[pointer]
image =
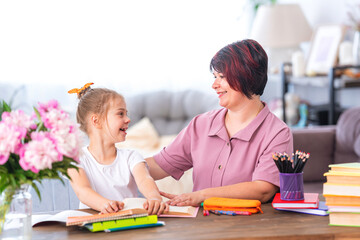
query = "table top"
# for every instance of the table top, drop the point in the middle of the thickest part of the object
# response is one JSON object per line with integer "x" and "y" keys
{"x": 272, "y": 224}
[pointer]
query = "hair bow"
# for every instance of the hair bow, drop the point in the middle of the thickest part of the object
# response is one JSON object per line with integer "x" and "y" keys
{"x": 79, "y": 90}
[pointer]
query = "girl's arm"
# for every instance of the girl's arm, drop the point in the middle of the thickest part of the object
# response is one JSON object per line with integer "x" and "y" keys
{"x": 88, "y": 196}
{"x": 148, "y": 188}
{"x": 155, "y": 170}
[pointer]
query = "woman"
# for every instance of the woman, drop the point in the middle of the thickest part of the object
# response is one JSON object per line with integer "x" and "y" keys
{"x": 230, "y": 150}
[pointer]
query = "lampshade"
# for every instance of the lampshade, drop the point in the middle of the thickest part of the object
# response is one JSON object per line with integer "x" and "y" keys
{"x": 280, "y": 25}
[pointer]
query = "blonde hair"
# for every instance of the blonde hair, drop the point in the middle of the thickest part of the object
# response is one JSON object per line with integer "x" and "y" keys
{"x": 94, "y": 100}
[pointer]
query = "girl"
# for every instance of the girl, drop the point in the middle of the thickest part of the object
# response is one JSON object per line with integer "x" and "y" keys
{"x": 106, "y": 174}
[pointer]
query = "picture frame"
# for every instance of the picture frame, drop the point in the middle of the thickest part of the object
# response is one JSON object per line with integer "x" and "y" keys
{"x": 324, "y": 49}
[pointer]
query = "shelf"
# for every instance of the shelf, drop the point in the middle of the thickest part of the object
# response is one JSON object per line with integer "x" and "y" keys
{"x": 333, "y": 81}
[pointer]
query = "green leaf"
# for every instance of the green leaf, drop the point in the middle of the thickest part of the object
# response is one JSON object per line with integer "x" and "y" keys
{"x": 6, "y": 107}
{"x": 36, "y": 190}
{"x": 37, "y": 113}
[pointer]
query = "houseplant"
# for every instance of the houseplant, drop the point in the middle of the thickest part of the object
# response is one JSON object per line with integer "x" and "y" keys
{"x": 34, "y": 147}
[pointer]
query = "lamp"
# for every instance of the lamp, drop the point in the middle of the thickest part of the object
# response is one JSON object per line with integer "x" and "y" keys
{"x": 280, "y": 29}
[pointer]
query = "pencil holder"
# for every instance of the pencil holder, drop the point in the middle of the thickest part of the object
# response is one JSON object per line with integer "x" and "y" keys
{"x": 291, "y": 186}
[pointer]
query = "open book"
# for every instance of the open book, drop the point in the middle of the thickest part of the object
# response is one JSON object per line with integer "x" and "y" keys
{"x": 133, "y": 207}
{"x": 37, "y": 219}
{"x": 174, "y": 211}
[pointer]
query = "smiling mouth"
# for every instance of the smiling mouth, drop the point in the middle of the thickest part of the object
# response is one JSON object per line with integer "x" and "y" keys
{"x": 221, "y": 93}
{"x": 123, "y": 129}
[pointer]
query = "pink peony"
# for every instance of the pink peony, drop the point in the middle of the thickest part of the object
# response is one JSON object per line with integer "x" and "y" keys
{"x": 40, "y": 153}
{"x": 18, "y": 118}
{"x": 52, "y": 104}
{"x": 67, "y": 142}
{"x": 56, "y": 119}
{"x": 10, "y": 140}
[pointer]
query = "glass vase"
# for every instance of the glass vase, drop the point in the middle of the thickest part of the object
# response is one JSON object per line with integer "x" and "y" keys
{"x": 356, "y": 48}
{"x": 15, "y": 213}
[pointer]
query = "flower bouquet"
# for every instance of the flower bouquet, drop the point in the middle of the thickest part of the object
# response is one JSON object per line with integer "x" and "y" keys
{"x": 34, "y": 147}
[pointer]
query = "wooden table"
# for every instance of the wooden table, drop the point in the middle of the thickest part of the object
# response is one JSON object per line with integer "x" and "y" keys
{"x": 272, "y": 224}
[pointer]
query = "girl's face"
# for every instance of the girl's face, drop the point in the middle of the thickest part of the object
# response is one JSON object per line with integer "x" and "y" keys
{"x": 117, "y": 121}
{"x": 228, "y": 97}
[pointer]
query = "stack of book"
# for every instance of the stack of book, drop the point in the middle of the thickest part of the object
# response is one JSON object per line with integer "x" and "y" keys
{"x": 310, "y": 205}
{"x": 122, "y": 220}
{"x": 133, "y": 215}
{"x": 342, "y": 194}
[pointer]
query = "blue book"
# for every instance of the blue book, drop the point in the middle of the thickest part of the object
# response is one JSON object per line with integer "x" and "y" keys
{"x": 321, "y": 210}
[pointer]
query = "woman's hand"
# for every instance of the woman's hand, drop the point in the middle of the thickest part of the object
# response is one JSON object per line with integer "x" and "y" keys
{"x": 156, "y": 206}
{"x": 185, "y": 199}
{"x": 112, "y": 206}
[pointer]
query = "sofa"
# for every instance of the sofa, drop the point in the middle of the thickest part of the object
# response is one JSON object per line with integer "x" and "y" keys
{"x": 327, "y": 145}
{"x": 157, "y": 117}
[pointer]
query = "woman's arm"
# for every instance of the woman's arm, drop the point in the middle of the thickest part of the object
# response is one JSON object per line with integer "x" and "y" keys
{"x": 155, "y": 170}
{"x": 88, "y": 196}
{"x": 148, "y": 188}
{"x": 260, "y": 190}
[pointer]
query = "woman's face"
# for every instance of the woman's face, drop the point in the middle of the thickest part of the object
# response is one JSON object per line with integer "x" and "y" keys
{"x": 228, "y": 97}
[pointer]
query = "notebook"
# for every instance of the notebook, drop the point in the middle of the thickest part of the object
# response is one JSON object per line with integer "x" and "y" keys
{"x": 123, "y": 224}
{"x": 311, "y": 200}
{"x": 322, "y": 210}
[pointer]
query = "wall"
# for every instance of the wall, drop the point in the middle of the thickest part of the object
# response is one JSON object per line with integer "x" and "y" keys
{"x": 320, "y": 12}
{"x": 48, "y": 47}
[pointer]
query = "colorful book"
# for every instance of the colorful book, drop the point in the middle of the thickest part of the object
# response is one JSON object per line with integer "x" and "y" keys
{"x": 346, "y": 219}
{"x": 346, "y": 167}
{"x": 123, "y": 224}
{"x": 344, "y": 208}
{"x": 341, "y": 189}
{"x": 133, "y": 207}
{"x": 338, "y": 200}
{"x": 311, "y": 200}
{"x": 82, "y": 220}
{"x": 343, "y": 177}
{"x": 159, "y": 223}
{"x": 322, "y": 210}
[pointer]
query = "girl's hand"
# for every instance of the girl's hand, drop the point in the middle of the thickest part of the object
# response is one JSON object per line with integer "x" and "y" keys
{"x": 156, "y": 206}
{"x": 185, "y": 199}
{"x": 112, "y": 206}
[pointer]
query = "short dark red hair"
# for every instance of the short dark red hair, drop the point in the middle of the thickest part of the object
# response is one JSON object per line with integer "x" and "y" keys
{"x": 244, "y": 64}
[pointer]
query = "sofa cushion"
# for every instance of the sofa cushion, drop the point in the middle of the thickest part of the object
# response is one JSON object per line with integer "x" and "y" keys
{"x": 141, "y": 135}
{"x": 319, "y": 142}
{"x": 348, "y": 136}
{"x": 169, "y": 111}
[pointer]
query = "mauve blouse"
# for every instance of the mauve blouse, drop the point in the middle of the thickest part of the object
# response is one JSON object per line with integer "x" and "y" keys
{"x": 218, "y": 160}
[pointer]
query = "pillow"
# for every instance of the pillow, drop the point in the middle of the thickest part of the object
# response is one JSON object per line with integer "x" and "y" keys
{"x": 142, "y": 135}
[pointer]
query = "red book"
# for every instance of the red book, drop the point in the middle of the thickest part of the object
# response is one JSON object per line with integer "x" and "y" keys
{"x": 311, "y": 200}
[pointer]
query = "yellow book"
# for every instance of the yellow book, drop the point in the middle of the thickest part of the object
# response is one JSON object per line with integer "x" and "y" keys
{"x": 338, "y": 200}
{"x": 343, "y": 177}
{"x": 346, "y": 167}
{"x": 347, "y": 219}
{"x": 341, "y": 189}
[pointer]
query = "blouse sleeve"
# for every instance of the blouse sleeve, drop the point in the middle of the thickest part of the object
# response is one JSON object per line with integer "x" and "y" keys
{"x": 176, "y": 158}
{"x": 266, "y": 169}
